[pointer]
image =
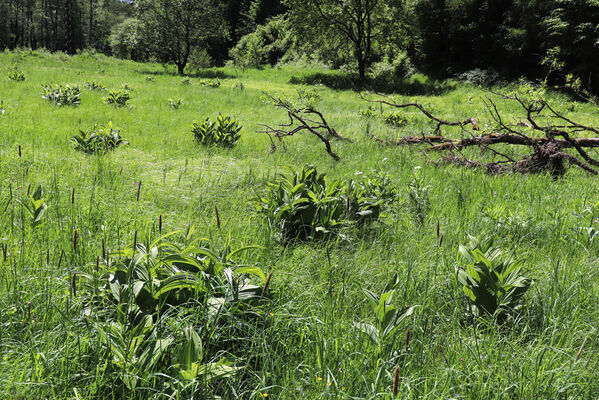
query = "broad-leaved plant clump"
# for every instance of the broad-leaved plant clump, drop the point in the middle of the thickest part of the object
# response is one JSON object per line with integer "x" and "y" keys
{"x": 211, "y": 83}
{"x": 493, "y": 281}
{"x": 138, "y": 297}
{"x": 16, "y": 74}
{"x": 62, "y": 95}
{"x": 98, "y": 139}
{"x": 224, "y": 131}
{"x": 303, "y": 205}
{"x": 94, "y": 85}
{"x": 175, "y": 103}
{"x": 118, "y": 98}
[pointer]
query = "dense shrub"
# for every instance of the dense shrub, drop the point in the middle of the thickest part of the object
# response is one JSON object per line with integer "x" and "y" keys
{"x": 303, "y": 205}
{"x": 62, "y": 95}
{"x": 224, "y": 131}
{"x": 98, "y": 139}
{"x": 16, "y": 75}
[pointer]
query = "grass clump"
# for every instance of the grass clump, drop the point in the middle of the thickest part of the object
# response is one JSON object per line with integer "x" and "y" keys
{"x": 118, "y": 97}
{"x": 303, "y": 205}
{"x": 98, "y": 139}
{"x": 224, "y": 131}
{"x": 62, "y": 95}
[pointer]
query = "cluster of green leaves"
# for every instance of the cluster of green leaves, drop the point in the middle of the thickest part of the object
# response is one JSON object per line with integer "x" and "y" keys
{"x": 94, "y": 85}
{"x": 35, "y": 205}
{"x": 493, "y": 282}
{"x": 224, "y": 131}
{"x": 175, "y": 103}
{"x": 16, "y": 74}
{"x": 212, "y": 83}
{"x": 2, "y": 107}
{"x": 395, "y": 119}
{"x": 303, "y": 205}
{"x": 98, "y": 139}
{"x": 418, "y": 197}
{"x": 185, "y": 81}
{"x": 62, "y": 95}
{"x": 369, "y": 112}
{"x": 117, "y": 97}
{"x": 141, "y": 296}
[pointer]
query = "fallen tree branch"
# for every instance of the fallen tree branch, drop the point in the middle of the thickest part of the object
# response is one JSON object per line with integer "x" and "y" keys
{"x": 548, "y": 142}
{"x": 303, "y": 118}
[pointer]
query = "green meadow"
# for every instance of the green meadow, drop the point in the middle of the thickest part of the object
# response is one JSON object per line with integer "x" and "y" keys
{"x": 315, "y": 327}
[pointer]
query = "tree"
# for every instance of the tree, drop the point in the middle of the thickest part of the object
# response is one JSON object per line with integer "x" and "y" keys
{"x": 174, "y": 28}
{"x": 350, "y": 25}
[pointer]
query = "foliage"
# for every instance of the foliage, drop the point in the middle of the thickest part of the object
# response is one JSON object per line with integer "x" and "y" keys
{"x": 36, "y": 206}
{"x": 211, "y": 83}
{"x": 16, "y": 74}
{"x": 267, "y": 45}
{"x": 396, "y": 119}
{"x": 2, "y": 107}
{"x": 418, "y": 197}
{"x": 94, "y": 85}
{"x": 126, "y": 40}
{"x": 175, "y": 103}
{"x": 303, "y": 205}
{"x": 224, "y": 131}
{"x": 185, "y": 81}
{"x": 98, "y": 139}
{"x": 138, "y": 296}
{"x": 388, "y": 317}
{"x": 117, "y": 97}
{"x": 493, "y": 283}
{"x": 173, "y": 29}
{"x": 62, "y": 95}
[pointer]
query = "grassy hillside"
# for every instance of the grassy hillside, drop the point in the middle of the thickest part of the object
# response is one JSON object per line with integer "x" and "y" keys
{"x": 59, "y": 336}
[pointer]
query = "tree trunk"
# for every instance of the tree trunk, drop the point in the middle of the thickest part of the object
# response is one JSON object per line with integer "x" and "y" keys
{"x": 362, "y": 68}
{"x": 180, "y": 68}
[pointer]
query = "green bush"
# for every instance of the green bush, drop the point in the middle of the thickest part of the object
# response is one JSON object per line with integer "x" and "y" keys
{"x": 98, "y": 139}
{"x": 493, "y": 282}
{"x": 396, "y": 119}
{"x": 224, "y": 131}
{"x": 175, "y": 103}
{"x": 62, "y": 95}
{"x": 305, "y": 206}
{"x": 212, "y": 83}
{"x": 118, "y": 97}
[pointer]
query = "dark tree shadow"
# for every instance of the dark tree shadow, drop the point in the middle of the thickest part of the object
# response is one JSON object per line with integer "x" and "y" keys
{"x": 419, "y": 85}
{"x": 208, "y": 73}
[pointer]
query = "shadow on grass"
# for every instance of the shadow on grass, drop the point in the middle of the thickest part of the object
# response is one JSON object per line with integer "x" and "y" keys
{"x": 417, "y": 84}
{"x": 208, "y": 73}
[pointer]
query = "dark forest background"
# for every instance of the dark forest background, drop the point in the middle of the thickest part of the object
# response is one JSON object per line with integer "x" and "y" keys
{"x": 442, "y": 38}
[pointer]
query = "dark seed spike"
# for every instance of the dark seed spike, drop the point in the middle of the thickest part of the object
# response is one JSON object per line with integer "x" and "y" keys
{"x": 160, "y": 223}
{"x": 135, "y": 241}
{"x": 48, "y": 257}
{"x": 396, "y": 378}
{"x": 74, "y": 284}
{"x": 73, "y": 196}
{"x": 408, "y": 337}
{"x": 437, "y": 229}
{"x": 103, "y": 249}
{"x": 20, "y": 154}
{"x": 60, "y": 259}
{"x": 75, "y": 239}
{"x": 266, "y": 284}
{"x": 441, "y": 241}
{"x": 138, "y": 190}
{"x": 97, "y": 263}
{"x": 217, "y": 217}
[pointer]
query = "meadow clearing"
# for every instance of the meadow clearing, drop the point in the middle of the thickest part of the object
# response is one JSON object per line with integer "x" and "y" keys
{"x": 376, "y": 311}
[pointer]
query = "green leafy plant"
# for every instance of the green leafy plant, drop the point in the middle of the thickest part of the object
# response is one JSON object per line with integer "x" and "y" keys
{"x": 126, "y": 86}
{"x": 94, "y": 85}
{"x": 16, "y": 74}
{"x": 150, "y": 78}
{"x": 303, "y": 205}
{"x": 185, "y": 81}
{"x": 492, "y": 281}
{"x": 35, "y": 205}
{"x": 388, "y": 317}
{"x": 396, "y": 119}
{"x": 369, "y": 112}
{"x": 211, "y": 83}
{"x": 418, "y": 198}
{"x": 98, "y": 139}
{"x": 224, "y": 131}
{"x": 118, "y": 97}
{"x": 62, "y": 95}
{"x": 2, "y": 107}
{"x": 175, "y": 103}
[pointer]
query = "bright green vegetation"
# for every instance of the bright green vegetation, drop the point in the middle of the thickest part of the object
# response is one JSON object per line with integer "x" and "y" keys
{"x": 96, "y": 299}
